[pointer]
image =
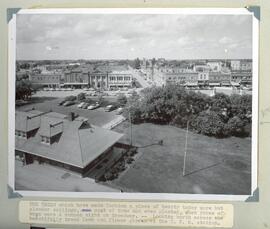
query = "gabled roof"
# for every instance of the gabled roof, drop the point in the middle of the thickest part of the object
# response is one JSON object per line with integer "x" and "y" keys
{"x": 27, "y": 121}
{"x": 79, "y": 143}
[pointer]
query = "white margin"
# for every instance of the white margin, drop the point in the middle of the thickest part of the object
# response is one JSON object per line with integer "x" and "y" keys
{"x": 132, "y": 196}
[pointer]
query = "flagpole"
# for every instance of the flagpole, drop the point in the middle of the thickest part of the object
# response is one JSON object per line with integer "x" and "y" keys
{"x": 185, "y": 155}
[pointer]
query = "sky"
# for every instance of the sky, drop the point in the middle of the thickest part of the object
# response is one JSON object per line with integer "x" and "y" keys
{"x": 108, "y": 36}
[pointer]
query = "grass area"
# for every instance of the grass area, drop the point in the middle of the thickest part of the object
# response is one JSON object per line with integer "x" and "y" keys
{"x": 213, "y": 166}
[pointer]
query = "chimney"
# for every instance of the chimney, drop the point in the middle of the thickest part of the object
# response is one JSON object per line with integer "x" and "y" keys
{"x": 71, "y": 116}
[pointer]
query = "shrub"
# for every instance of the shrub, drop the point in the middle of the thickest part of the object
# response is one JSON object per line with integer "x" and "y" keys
{"x": 236, "y": 127}
{"x": 209, "y": 123}
{"x": 122, "y": 100}
{"x": 70, "y": 98}
{"x": 88, "y": 100}
{"x": 81, "y": 96}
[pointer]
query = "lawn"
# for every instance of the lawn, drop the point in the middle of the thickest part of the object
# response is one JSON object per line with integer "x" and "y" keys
{"x": 213, "y": 166}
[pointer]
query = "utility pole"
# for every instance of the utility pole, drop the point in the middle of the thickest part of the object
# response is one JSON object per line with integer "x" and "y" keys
{"x": 185, "y": 155}
{"x": 130, "y": 123}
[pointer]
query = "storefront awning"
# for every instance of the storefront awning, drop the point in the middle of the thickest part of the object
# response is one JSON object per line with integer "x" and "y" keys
{"x": 225, "y": 84}
{"x": 235, "y": 84}
{"x": 214, "y": 84}
{"x": 191, "y": 84}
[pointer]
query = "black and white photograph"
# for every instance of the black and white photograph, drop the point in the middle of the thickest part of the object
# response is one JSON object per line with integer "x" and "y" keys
{"x": 134, "y": 103}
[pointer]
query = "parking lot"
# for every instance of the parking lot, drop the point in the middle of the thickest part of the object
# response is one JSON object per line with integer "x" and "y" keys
{"x": 97, "y": 117}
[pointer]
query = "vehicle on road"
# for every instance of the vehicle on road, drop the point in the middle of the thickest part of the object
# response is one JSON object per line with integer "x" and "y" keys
{"x": 110, "y": 107}
{"x": 81, "y": 104}
{"x": 119, "y": 110}
{"x": 68, "y": 103}
{"x": 93, "y": 106}
{"x": 61, "y": 103}
{"x": 85, "y": 106}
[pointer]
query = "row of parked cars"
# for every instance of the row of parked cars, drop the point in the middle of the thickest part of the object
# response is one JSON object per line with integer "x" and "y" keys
{"x": 85, "y": 105}
{"x": 57, "y": 89}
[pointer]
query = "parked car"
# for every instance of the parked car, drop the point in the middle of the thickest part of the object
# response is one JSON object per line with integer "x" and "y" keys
{"x": 68, "y": 103}
{"x": 110, "y": 108}
{"x": 119, "y": 110}
{"x": 85, "y": 106}
{"x": 93, "y": 106}
{"x": 81, "y": 104}
{"x": 61, "y": 103}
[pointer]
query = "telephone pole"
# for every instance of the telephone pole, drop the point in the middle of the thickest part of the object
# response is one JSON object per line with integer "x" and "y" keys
{"x": 185, "y": 155}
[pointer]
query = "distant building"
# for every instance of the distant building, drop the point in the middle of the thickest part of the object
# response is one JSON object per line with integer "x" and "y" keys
{"x": 100, "y": 78}
{"x": 246, "y": 65}
{"x": 215, "y": 66}
{"x": 65, "y": 141}
{"x": 241, "y": 65}
{"x": 46, "y": 79}
{"x": 219, "y": 79}
{"x": 120, "y": 79}
{"x": 203, "y": 78}
{"x": 77, "y": 78}
{"x": 242, "y": 77}
{"x": 201, "y": 68}
{"x": 183, "y": 78}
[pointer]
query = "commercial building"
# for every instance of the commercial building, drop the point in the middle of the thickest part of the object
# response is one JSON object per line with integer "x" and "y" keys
{"x": 215, "y": 66}
{"x": 241, "y": 65}
{"x": 76, "y": 78}
{"x": 219, "y": 79}
{"x": 66, "y": 141}
{"x": 98, "y": 78}
{"x": 203, "y": 78}
{"x": 242, "y": 77}
{"x": 46, "y": 79}
{"x": 188, "y": 78}
{"x": 119, "y": 79}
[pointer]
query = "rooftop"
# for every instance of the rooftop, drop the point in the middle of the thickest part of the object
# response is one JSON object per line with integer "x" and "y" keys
{"x": 79, "y": 142}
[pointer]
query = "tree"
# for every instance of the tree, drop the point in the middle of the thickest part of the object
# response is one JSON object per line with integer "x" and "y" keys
{"x": 70, "y": 98}
{"x": 137, "y": 64}
{"x": 24, "y": 89}
{"x": 81, "y": 96}
{"x": 236, "y": 127}
{"x": 121, "y": 100}
{"x": 101, "y": 99}
{"x": 209, "y": 123}
{"x": 241, "y": 106}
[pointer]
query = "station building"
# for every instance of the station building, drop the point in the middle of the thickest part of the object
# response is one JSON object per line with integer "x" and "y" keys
{"x": 66, "y": 141}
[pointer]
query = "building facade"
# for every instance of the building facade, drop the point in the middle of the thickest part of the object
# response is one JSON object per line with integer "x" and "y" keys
{"x": 119, "y": 79}
{"x": 219, "y": 79}
{"x": 98, "y": 79}
{"x": 46, "y": 80}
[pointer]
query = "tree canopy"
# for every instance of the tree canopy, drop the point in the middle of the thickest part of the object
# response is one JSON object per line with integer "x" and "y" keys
{"x": 220, "y": 115}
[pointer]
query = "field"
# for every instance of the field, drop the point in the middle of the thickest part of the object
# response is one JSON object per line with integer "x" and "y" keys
{"x": 213, "y": 166}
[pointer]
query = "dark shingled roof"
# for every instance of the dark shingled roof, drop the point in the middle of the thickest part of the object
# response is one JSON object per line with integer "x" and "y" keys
{"x": 79, "y": 143}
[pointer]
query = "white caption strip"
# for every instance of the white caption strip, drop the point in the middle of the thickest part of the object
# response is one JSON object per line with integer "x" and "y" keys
{"x": 126, "y": 213}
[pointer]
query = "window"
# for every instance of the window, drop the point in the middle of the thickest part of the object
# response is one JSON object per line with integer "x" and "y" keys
{"x": 45, "y": 140}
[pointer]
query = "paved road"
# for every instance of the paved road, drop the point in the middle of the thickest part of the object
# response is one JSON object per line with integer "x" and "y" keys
{"x": 141, "y": 80}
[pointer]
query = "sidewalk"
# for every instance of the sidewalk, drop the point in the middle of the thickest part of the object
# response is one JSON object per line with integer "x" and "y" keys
{"x": 114, "y": 122}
